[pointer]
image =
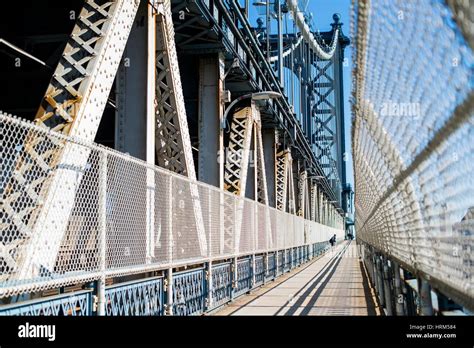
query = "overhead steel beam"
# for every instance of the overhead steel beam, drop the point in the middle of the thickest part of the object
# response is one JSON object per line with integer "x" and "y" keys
{"x": 288, "y": 122}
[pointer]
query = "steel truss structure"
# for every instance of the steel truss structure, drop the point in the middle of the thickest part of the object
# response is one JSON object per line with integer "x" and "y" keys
{"x": 68, "y": 205}
{"x": 285, "y": 195}
{"x": 318, "y": 101}
{"x": 245, "y": 131}
{"x": 73, "y": 105}
{"x": 172, "y": 143}
{"x": 102, "y": 241}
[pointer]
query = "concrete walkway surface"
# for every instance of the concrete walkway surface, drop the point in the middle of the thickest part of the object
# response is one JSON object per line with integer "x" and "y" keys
{"x": 334, "y": 284}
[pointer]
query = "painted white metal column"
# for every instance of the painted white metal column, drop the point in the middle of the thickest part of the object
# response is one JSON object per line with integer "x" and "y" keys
{"x": 101, "y": 301}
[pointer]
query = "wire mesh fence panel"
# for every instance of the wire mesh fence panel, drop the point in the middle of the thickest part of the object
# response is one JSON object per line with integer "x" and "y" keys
{"x": 246, "y": 239}
{"x": 214, "y": 221}
{"x": 79, "y": 250}
{"x": 34, "y": 253}
{"x": 299, "y": 229}
{"x": 162, "y": 219}
{"x": 281, "y": 226}
{"x": 275, "y": 238}
{"x": 126, "y": 211}
{"x": 189, "y": 235}
{"x": 289, "y": 231}
{"x": 412, "y": 137}
{"x": 123, "y": 216}
{"x": 230, "y": 224}
{"x": 263, "y": 228}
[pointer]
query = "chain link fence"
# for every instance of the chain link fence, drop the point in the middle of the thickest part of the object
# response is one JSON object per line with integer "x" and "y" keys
{"x": 413, "y": 102}
{"x": 125, "y": 217}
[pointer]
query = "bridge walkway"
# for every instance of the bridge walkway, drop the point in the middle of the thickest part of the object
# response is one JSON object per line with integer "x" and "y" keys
{"x": 334, "y": 284}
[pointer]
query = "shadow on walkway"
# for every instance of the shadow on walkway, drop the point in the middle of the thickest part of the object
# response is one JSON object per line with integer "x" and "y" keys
{"x": 335, "y": 284}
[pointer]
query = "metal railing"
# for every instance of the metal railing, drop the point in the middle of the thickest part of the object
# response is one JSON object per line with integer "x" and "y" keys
{"x": 76, "y": 304}
{"x": 204, "y": 288}
{"x": 127, "y": 217}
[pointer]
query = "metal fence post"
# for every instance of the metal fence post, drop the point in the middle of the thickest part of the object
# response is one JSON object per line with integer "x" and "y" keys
{"x": 293, "y": 257}
{"x": 102, "y": 232}
{"x": 277, "y": 258}
{"x": 399, "y": 297}
{"x": 374, "y": 271}
{"x": 379, "y": 280}
{"x": 169, "y": 275}
{"x": 265, "y": 257}
{"x": 253, "y": 265}
{"x": 403, "y": 285}
{"x": 234, "y": 261}
{"x": 209, "y": 285}
{"x": 265, "y": 267}
{"x": 426, "y": 304}
{"x": 386, "y": 286}
{"x": 209, "y": 264}
{"x": 255, "y": 243}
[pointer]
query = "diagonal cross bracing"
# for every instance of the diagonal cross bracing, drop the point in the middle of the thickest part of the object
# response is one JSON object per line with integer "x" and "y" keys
{"x": 245, "y": 124}
{"x": 73, "y": 104}
{"x": 173, "y": 144}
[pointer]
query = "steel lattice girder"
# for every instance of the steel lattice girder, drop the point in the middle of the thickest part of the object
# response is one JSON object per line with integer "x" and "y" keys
{"x": 245, "y": 124}
{"x": 285, "y": 192}
{"x": 319, "y": 78}
{"x": 173, "y": 144}
{"x": 324, "y": 137}
{"x": 237, "y": 159}
{"x": 314, "y": 202}
{"x": 291, "y": 192}
{"x": 73, "y": 104}
{"x": 281, "y": 179}
{"x": 303, "y": 194}
{"x": 262, "y": 189}
{"x": 235, "y": 172}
